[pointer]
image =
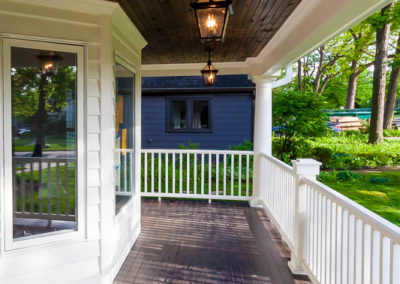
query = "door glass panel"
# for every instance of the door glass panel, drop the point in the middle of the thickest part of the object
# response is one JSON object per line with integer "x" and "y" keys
{"x": 125, "y": 135}
{"x": 44, "y": 149}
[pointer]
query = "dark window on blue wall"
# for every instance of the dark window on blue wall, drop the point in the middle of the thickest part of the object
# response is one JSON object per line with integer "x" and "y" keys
{"x": 178, "y": 119}
{"x": 188, "y": 115}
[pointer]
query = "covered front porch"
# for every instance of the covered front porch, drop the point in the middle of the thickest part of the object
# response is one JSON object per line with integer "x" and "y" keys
{"x": 197, "y": 242}
{"x": 259, "y": 220}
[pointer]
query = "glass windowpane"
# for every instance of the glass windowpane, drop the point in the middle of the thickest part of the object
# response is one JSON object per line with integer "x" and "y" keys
{"x": 178, "y": 115}
{"x": 44, "y": 142}
{"x": 200, "y": 118}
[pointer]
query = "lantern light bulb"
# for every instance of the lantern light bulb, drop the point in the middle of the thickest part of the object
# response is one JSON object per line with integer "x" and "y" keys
{"x": 48, "y": 66}
{"x": 211, "y": 22}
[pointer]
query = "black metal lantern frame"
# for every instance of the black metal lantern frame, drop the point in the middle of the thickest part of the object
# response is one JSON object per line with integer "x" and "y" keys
{"x": 212, "y": 17}
{"x": 209, "y": 72}
{"x": 49, "y": 62}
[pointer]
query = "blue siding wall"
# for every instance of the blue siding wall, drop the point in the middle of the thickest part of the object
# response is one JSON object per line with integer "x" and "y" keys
{"x": 231, "y": 116}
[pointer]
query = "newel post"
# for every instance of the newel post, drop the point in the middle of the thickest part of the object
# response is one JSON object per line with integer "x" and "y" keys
{"x": 303, "y": 168}
{"x": 262, "y": 130}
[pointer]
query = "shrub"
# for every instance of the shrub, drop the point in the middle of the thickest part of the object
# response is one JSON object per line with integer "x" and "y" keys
{"x": 297, "y": 116}
{"x": 347, "y": 175}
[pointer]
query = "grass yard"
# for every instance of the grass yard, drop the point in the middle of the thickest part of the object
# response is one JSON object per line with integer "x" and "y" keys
{"x": 26, "y": 142}
{"x": 381, "y": 197}
{"x": 30, "y": 196}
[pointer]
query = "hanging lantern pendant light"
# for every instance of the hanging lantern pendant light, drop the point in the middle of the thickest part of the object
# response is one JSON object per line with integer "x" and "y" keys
{"x": 49, "y": 62}
{"x": 212, "y": 17}
{"x": 209, "y": 72}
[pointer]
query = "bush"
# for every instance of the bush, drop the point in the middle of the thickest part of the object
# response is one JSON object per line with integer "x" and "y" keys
{"x": 297, "y": 116}
{"x": 347, "y": 175}
{"x": 346, "y": 151}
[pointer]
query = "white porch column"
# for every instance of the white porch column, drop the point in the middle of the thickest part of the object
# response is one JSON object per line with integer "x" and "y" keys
{"x": 262, "y": 130}
{"x": 304, "y": 168}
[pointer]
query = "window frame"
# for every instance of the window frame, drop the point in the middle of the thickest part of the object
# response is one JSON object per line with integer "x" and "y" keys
{"x": 189, "y": 114}
{"x": 11, "y": 244}
{"x": 121, "y": 60}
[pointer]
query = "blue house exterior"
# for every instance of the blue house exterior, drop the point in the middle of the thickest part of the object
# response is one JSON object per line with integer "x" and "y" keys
{"x": 176, "y": 109}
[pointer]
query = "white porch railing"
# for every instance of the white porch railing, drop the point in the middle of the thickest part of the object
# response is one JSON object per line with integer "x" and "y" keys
{"x": 278, "y": 191}
{"x": 203, "y": 174}
{"x": 334, "y": 239}
{"x": 42, "y": 188}
{"x": 124, "y": 170}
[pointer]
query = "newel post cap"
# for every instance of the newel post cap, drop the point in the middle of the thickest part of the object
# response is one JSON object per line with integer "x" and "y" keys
{"x": 307, "y": 167}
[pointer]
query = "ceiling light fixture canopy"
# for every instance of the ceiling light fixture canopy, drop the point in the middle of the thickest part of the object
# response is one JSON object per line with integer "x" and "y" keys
{"x": 209, "y": 72}
{"x": 212, "y": 18}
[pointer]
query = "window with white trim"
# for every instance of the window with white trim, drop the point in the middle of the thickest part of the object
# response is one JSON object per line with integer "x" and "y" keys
{"x": 43, "y": 144}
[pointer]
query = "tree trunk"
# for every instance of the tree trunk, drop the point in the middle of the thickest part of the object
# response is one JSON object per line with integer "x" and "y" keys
{"x": 40, "y": 119}
{"x": 392, "y": 92}
{"x": 299, "y": 79}
{"x": 379, "y": 81}
{"x": 352, "y": 86}
{"x": 318, "y": 76}
{"x": 325, "y": 84}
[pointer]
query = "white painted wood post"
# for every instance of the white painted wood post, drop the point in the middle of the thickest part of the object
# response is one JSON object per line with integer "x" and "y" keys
{"x": 303, "y": 168}
{"x": 262, "y": 131}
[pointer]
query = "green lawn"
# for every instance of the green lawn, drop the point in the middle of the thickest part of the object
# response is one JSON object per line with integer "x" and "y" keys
{"x": 25, "y": 143}
{"x": 27, "y": 196}
{"x": 381, "y": 198}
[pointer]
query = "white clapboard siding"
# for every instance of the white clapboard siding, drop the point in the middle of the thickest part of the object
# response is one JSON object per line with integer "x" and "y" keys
{"x": 70, "y": 254}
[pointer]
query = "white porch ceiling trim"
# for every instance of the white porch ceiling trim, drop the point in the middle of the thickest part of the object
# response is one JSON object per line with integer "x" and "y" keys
{"x": 310, "y": 25}
{"x": 193, "y": 69}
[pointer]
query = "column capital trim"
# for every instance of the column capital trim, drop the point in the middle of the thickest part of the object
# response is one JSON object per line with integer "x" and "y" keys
{"x": 263, "y": 80}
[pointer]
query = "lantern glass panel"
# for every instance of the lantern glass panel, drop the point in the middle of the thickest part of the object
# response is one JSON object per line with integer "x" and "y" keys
{"x": 211, "y": 22}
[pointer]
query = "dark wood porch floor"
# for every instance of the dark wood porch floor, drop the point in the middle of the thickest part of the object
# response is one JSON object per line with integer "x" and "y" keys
{"x": 194, "y": 242}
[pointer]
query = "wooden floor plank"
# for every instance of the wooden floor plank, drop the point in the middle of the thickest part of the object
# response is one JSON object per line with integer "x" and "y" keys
{"x": 197, "y": 242}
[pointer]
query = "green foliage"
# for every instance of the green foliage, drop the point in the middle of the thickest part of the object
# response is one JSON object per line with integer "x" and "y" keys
{"x": 25, "y": 83}
{"x": 391, "y": 133}
{"x": 245, "y": 146}
{"x": 298, "y": 115}
{"x": 338, "y": 176}
{"x": 347, "y": 175}
{"x": 189, "y": 146}
{"x": 345, "y": 151}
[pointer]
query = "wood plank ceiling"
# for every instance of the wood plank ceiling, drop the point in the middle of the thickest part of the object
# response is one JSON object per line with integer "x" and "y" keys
{"x": 170, "y": 28}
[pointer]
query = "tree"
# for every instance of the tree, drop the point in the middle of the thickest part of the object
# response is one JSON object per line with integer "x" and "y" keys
{"x": 297, "y": 115}
{"x": 36, "y": 94}
{"x": 392, "y": 89}
{"x": 360, "y": 58}
{"x": 383, "y": 25}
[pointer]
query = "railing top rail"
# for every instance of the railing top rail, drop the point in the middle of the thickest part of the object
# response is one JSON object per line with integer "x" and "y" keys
{"x": 43, "y": 159}
{"x": 278, "y": 163}
{"x": 124, "y": 150}
{"x": 375, "y": 221}
{"x": 182, "y": 151}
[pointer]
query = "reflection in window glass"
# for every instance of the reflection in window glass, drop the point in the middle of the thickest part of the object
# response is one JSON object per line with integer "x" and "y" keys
{"x": 125, "y": 135}
{"x": 44, "y": 107}
{"x": 200, "y": 119}
{"x": 178, "y": 115}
